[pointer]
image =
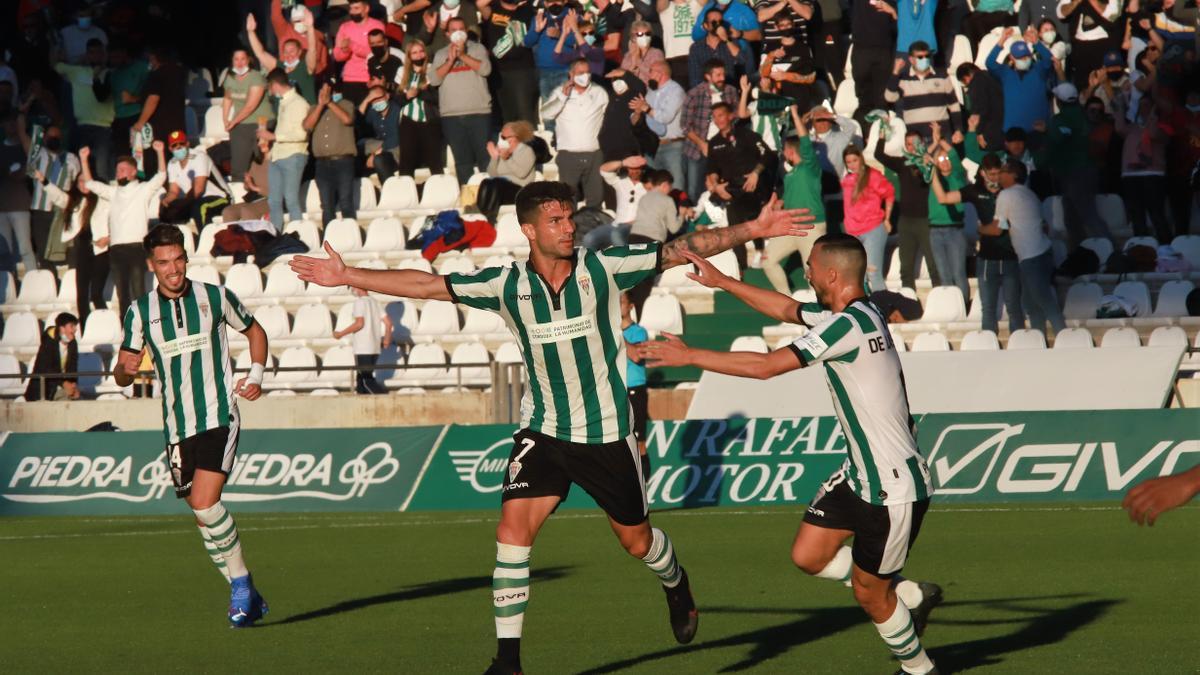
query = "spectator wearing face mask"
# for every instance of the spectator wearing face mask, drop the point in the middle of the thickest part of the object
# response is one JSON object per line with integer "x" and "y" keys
{"x": 93, "y": 114}
{"x": 351, "y": 48}
{"x": 578, "y": 106}
{"x": 662, "y": 108}
{"x": 298, "y": 25}
{"x": 542, "y": 37}
{"x": 420, "y": 121}
{"x": 716, "y": 43}
{"x": 434, "y": 30}
{"x": 60, "y": 168}
{"x": 924, "y": 94}
{"x": 1024, "y": 79}
{"x": 87, "y": 228}
{"x": 297, "y": 60}
{"x": 76, "y": 36}
{"x": 784, "y": 18}
{"x": 946, "y": 236}
{"x": 382, "y": 65}
{"x": 586, "y": 45}
{"x": 245, "y": 109}
{"x": 513, "y": 166}
{"x": 739, "y": 21}
{"x": 290, "y": 152}
{"x": 1110, "y": 82}
{"x": 984, "y": 100}
{"x": 331, "y": 123}
{"x": 191, "y": 195}
{"x": 382, "y": 148}
{"x": 57, "y": 354}
{"x": 460, "y": 72}
{"x": 1094, "y": 31}
{"x": 639, "y": 57}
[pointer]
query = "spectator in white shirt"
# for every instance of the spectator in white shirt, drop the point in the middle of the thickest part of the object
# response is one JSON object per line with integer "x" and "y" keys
{"x": 663, "y": 108}
{"x": 190, "y": 193}
{"x": 1019, "y": 211}
{"x": 626, "y": 178}
{"x": 131, "y": 204}
{"x": 372, "y": 331}
{"x": 75, "y": 37}
{"x": 578, "y": 110}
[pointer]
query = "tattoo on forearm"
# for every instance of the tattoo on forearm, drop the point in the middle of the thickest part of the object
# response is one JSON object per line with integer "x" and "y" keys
{"x": 706, "y": 243}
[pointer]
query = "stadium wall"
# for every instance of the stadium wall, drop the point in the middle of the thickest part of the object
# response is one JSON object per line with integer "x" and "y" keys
{"x": 981, "y": 457}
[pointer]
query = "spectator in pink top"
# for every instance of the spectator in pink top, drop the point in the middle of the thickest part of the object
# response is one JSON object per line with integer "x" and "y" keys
{"x": 867, "y": 197}
{"x": 351, "y": 50}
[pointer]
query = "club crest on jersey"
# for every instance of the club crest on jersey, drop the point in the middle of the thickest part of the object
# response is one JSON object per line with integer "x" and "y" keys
{"x": 585, "y": 285}
{"x": 204, "y": 310}
{"x": 514, "y": 468}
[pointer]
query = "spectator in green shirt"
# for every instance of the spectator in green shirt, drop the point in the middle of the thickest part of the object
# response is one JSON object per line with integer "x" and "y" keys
{"x": 245, "y": 110}
{"x": 801, "y": 189}
{"x": 946, "y": 235}
{"x": 126, "y": 80}
{"x": 93, "y": 110}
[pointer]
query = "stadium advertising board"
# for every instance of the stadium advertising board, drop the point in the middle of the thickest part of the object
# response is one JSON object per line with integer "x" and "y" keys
{"x": 983, "y": 457}
{"x": 276, "y": 470}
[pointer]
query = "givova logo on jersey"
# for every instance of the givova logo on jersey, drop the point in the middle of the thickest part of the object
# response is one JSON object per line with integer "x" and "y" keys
{"x": 1025, "y": 460}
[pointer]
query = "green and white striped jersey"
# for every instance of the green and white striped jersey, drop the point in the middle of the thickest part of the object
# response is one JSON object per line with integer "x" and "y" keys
{"x": 187, "y": 341}
{"x": 571, "y": 340}
{"x": 883, "y": 464}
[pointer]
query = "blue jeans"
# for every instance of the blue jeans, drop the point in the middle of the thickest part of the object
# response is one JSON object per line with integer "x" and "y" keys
{"x": 694, "y": 182}
{"x": 548, "y": 81}
{"x": 1037, "y": 292}
{"x": 606, "y": 235}
{"x": 950, "y": 256}
{"x": 335, "y": 183}
{"x": 995, "y": 276}
{"x": 283, "y": 177}
{"x": 670, "y": 158}
{"x": 468, "y": 139}
{"x": 875, "y": 241}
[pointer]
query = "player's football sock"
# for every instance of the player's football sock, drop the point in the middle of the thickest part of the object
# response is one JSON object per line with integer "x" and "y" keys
{"x": 838, "y": 568}
{"x": 661, "y": 559}
{"x": 921, "y": 597}
{"x": 224, "y": 535}
{"x": 901, "y": 637}
{"x": 510, "y": 596}
{"x": 910, "y": 592}
{"x": 213, "y": 553}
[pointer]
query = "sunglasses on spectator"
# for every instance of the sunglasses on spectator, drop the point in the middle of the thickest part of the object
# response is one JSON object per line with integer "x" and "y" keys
{"x": 920, "y": 56}
{"x": 588, "y": 32}
{"x": 641, "y": 34}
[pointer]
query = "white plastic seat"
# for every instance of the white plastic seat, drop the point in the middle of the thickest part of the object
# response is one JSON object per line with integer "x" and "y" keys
{"x": 662, "y": 314}
{"x": 306, "y": 230}
{"x": 8, "y": 289}
{"x": 944, "y": 304}
{"x": 189, "y": 239}
{"x": 311, "y": 197}
{"x": 898, "y": 339}
{"x": 22, "y": 335}
{"x": 456, "y": 264}
{"x": 337, "y": 356}
{"x": 384, "y": 235}
{"x": 245, "y": 280}
{"x": 1188, "y": 245}
{"x": 1121, "y": 336}
{"x": 931, "y": 341}
{"x": 508, "y": 232}
{"x": 365, "y": 200}
{"x": 399, "y": 193}
{"x": 11, "y": 386}
{"x": 845, "y": 101}
{"x": 66, "y": 298}
{"x": 295, "y": 357}
{"x": 509, "y": 352}
{"x": 39, "y": 291}
{"x": 979, "y": 340}
{"x": 103, "y": 327}
{"x": 1082, "y": 300}
{"x": 204, "y": 245}
{"x": 1073, "y": 338}
{"x": 424, "y": 354}
{"x": 415, "y": 264}
{"x": 1172, "y": 298}
{"x": 1027, "y": 338}
{"x": 1137, "y": 294}
{"x": 1141, "y": 241}
{"x": 283, "y": 284}
{"x": 214, "y": 124}
{"x": 1102, "y": 247}
{"x": 1052, "y": 213}
{"x": 479, "y": 324}
{"x": 1112, "y": 211}
{"x": 749, "y": 343}
{"x": 405, "y": 317}
{"x": 502, "y": 260}
{"x": 313, "y": 324}
{"x": 441, "y": 192}
{"x": 471, "y": 352}
{"x": 344, "y": 235}
{"x": 438, "y": 318}
{"x": 204, "y": 273}
{"x": 1168, "y": 336}
{"x": 274, "y": 322}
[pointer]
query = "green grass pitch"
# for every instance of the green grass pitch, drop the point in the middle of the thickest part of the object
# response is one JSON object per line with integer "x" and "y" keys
{"x": 1029, "y": 589}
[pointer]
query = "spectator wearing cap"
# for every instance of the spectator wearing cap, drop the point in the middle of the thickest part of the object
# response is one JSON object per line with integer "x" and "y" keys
{"x": 579, "y": 107}
{"x": 290, "y": 152}
{"x": 1068, "y": 159}
{"x": 1095, "y": 29}
{"x": 831, "y": 133}
{"x": 1024, "y": 79}
{"x": 58, "y": 354}
{"x": 1019, "y": 212}
{"x": 460, "y": 72}
{"x": 298, "y": 59}
{"x": 924, "y": 94}
{"x": 984, "y": 100}
{"x": 351, "y": 48}
{"x": 245, "y": 109}
{"x": 512, "y": 167}
{"x": 1109, "y": 82}
{"x": 331, "y": 123}
{"x": 191, "y": 195}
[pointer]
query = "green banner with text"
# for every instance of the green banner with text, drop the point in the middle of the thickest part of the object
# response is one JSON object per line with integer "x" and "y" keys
{"x": 275, "y": 470}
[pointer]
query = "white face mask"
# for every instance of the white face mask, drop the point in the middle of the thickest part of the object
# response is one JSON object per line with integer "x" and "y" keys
{"x": 643, "y": 41}
{"x": 502, "y": 144}
{"x": 300, "y": 28}
{"x": 458, "y": 37}
{"x": 241, "y": 71}
{"x": 1048, "y": 36}
{"x": 450, "y": 4}
{"x": 583, "y": 79}
{"x": 620, "y": 87}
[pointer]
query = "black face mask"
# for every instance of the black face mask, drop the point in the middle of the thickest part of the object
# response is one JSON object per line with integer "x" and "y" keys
{"x": 554, "y": 9}
{"x": 358, "y": 18}
{"x": 1115, "y": 76}
{"x": 653, "y": 84}
{"x": 53, "y": 144}
{"x": 379, "y": 52}
{"x": 419, "y": 62}
{"x": 122, "y": 181}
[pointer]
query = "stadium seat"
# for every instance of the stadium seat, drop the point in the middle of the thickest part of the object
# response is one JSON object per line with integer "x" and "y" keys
{"x": 214, "y": 125}
{"x": 438, "y": 318}
{"x": 365, "y": 199}
{"x": 204, "y": 245}
{"x": 480, "y": 324}
{"x": 423, "y": 355}
{"x": 1073, "y": 338}
{"x": 404, "y": 316}
{"x": 274, "y": 322}
{"x": 338, "y": 356}
{"x": 189, "y": 239}
{"x": 399, "y": 194}
{"x": 1120, "y": 336}
{"x": 1137, "y": 294}
{"x": 986, "y": 44}
{"x": 281, "y": 392}
{"x": 804, "y": 295}
{"x": 1052, "y": 213}
{"x": 476, "y": 178}
{"x": 204, "y": 273}
{"x": 979, "y": 340}
{"x": 749, "y": 343}
{"x": 509, "y": 352}
{"x": 501, "y": 260}
{"x": 1112, "y": 211}
{"x": 306, "y": 230}
{"x": 508, "y": 233}
{"x": 662, "y": 314}
{"x": 1172, "y": 298}
{"x": 384, "y": 235}
{"x": 1140, "y": 241}
{"x": 324, "y": 392}
{"x": 89, "y": 362}
{"x": 415, "y": 264}
{"x": 845, "y": 100}
{"x": 238, "y": 188}
{"x": 440, "y": 193}
{"x": 311, "y": 196}
{"x": 471, "y": 352}
{"x": 1168, "y": 336}
{"x": 960, "y": 52}
{"x": 313, "y": 326}
{"x": 931, "y": 341}
{"x": 22, "y": 334}
{"x": 39, "y": 292}
{"x": 11, "y": 386}
{"x": 944, "y": 304}
{"x": 245, "y": 280}
{"x": 344, "y": 235}
{"x": 1102, "y": 247}
{"x": 1026, "y": 338}
{"x": 295, "y": 357}
{"x": 1082, "y": 301}
{"x": 8, "y": 288}
{"x": 103, "y": 329}
{"x": 1188, "y": 246}
{"x": 898, "y": 339}
{"x": 283, "y": 285}
{"x": 455, "y": 264}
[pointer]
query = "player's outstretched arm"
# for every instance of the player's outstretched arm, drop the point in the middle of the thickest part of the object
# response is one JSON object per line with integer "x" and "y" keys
{"x": 772, "y": 221}
{"x": 1150, "y": 499}
{"x": 769, "y": 302}
{"x": 673, "y": 352}
{"x": 332, "y": 271}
